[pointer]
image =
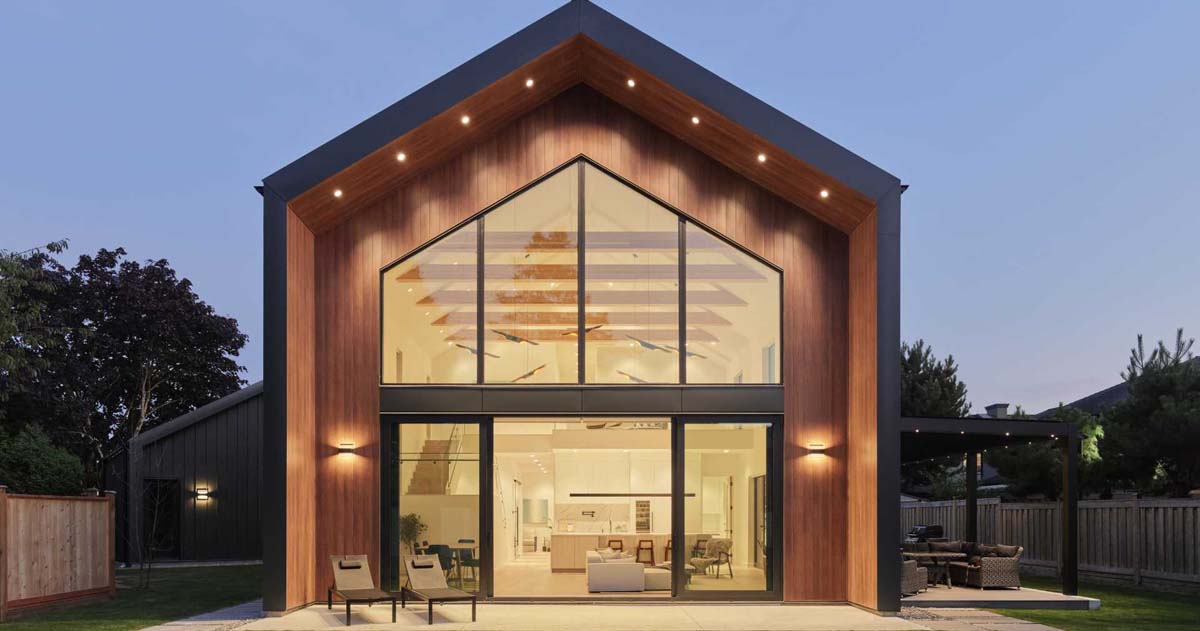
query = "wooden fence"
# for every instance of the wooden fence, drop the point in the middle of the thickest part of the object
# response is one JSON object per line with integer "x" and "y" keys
{"x": 1143, "y": 541}
{"x": 54, "y": 549}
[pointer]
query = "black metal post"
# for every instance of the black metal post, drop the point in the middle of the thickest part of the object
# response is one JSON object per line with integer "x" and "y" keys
{"x": 971, "y": 473}
{"x": 1069, "y": 569}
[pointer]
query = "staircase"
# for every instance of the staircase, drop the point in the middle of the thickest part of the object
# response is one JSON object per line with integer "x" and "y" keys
{"x": 432, "y": 473}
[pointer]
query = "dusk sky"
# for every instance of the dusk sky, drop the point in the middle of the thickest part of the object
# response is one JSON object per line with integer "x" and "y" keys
{"x": 1053, "y": 150}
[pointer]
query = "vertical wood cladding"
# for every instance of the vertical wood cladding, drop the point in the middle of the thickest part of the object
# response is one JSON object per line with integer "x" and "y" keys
{"x": 301, "y": 414}
{"x": 862, "y": 518}
{"x": 813, "y": 257}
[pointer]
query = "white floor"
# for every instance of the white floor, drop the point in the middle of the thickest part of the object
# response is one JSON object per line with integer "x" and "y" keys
{"x": 576, "y": 617}
{"x": 530, "y": 577}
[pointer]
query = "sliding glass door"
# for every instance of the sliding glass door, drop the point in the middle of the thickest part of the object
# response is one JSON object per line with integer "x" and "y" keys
{"x": 727, "y": 488}
{"x": 432, "y": 500}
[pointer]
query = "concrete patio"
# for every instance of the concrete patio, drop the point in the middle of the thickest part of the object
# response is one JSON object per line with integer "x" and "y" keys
{"x": 575, "y": 617}
{"x": 1024, "y": 598}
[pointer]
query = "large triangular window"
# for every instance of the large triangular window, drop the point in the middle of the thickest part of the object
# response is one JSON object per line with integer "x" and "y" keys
{"x": 525, "y": 320}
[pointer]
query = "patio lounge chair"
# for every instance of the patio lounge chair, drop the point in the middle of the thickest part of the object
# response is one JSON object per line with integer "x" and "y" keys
{"x": 427, "y": 582}
{"x": 353, "y": 583}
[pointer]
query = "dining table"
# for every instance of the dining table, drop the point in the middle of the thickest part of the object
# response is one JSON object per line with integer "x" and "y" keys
{"x": 937, "y": 562}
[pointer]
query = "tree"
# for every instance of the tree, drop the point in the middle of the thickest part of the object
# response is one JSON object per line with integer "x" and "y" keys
{"x": 30, "y": 463}
{"x": 1152, "y": 438}
{"x": 25, "y": 285}
{"x": 134, "y": 346}
{"x": 1036, "y": 469}
{"x": 929, "y": 387}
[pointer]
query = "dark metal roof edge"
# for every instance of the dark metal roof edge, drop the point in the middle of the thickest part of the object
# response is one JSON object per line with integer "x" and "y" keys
{"x": 199, "y": 414}
{"x": 435, "y": 97}
{"x": 734, "y": 103}
{"x": 575, "y": 18}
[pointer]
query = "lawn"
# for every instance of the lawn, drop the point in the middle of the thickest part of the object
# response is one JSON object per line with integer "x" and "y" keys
{"x": 1121, "y": 608}
{"x": 174, "y": 593}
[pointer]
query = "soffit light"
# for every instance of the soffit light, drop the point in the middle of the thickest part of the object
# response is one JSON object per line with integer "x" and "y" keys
{"x": 630, "y": 82}
{"x": 529, "y": 83}
{"x": 695, "y": 120}
{"x": 762, "y": 157}
{"x": 824, "y": 193}
{"x": 466, "y": 120}
{"x": 401, "y": 157}
{"x": 337, "y": 192}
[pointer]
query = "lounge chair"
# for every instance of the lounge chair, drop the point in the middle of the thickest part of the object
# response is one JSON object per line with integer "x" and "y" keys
{"x": 353, "y": 583}
{"x": 427, "y": 582}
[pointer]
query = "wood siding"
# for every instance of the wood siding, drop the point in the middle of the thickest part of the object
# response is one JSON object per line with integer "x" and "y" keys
{"x": 348, "y": 258}
{"x": 54, "y": 549}
{"x": 301, "y": 419}
{"x": 863, "y": 441}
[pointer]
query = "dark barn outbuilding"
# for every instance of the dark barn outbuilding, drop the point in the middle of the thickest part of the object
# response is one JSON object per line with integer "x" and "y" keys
{"x": 189, "y": 489}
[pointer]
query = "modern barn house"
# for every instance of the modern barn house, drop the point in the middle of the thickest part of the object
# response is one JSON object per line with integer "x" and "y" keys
{"x": 580, "y": 300}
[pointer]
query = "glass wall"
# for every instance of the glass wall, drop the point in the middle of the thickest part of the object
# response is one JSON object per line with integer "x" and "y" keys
{"x": 530, "y": 296}
{"x": 429, "y": 307}
{"x": 733, "y": 311}
{"x": 632, "y": 276}
{"x": 438, "y": 503}
{"x": 531, "y": 288}
{"x": 726, "y": 515}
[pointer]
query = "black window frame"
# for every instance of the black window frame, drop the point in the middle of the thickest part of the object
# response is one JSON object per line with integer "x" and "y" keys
{"x": 578, "y": 162}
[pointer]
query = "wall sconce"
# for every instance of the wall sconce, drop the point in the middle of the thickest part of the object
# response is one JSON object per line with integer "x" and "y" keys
{"x": 346, "y": 447}
{"x": 816, "y": 448}
{"x": 202, "y": 494}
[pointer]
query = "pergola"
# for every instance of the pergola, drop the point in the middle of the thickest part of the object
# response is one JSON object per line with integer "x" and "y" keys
{"x": 922, "y": 438}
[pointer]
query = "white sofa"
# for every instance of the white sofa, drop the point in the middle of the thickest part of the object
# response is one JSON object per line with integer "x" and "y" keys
{"x": 616, "y": 574}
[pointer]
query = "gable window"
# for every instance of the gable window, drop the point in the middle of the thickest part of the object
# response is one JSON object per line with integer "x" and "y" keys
{"x": 580, "y": 278}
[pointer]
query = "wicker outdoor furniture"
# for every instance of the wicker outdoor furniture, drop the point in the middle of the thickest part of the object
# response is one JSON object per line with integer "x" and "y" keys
{"x": 913, "y": 578}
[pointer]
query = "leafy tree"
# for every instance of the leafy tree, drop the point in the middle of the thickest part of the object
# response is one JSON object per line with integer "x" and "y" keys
{"x": 30, "y": 463}
{"x": 1152, "y": 438}
{"x": 1036, "y": 469}
{"x": 25, "y": 283}
{"x": 929, "y": 387}
{"x": 134, "y": 346}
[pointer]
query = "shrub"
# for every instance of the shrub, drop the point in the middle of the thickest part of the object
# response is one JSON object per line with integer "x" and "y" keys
{"x": 30, "y": 463}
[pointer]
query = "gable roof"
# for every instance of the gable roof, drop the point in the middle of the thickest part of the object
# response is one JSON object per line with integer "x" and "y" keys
{"x": 201, "y": 413}
{"x": 580, "y": 43}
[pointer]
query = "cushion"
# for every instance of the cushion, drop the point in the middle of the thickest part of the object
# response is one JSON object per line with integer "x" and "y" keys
{"x": 920, "y": 546}
{"x": 948, "y": 546}
{"x": 422, "y": 563}
{"x": 349, "y": 565}
{"x": 607, "y": 554}
{"x": 986, "y": 550}
{"x": 1007, "y": 551}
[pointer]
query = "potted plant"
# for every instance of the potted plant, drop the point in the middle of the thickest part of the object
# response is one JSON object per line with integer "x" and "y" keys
{"x": 411, "y": 528}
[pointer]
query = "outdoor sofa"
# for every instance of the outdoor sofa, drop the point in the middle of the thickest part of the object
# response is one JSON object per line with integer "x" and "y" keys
{"x": 986, "y": 565}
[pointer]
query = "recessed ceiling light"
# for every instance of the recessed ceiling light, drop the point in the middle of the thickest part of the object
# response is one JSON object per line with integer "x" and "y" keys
{"x": 401, "y": 157}
{"x": 824, "y": 193}
{"x": 466, "y": 120}
{"x": 337, "y": 192}
{"x": 695, "y": 120}
{"x": 631, "y": 83}
{"x": 529, "y": 83}
{"x": 762, "y": 157}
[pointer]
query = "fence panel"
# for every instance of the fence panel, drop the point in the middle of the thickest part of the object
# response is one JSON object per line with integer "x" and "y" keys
{"x": 1137, "y": 540}
{"x": 57, "y": 548}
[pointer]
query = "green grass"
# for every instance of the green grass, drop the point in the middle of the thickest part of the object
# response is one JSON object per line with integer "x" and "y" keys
{"x": 174, "y": 593}
{"x": 1122, "y": 607}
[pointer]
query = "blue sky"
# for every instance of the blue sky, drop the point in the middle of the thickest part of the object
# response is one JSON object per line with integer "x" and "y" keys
{"x": 1051, "y": 148}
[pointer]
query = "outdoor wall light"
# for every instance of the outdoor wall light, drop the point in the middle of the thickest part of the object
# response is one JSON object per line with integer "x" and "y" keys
{"x": 202, "y": 494}
{"x": 346, "y": 447}
{"x": 816, "y": 448}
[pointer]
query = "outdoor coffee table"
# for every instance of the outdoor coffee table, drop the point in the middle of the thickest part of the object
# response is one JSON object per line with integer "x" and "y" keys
{"x": 939, "y": 563}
